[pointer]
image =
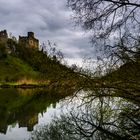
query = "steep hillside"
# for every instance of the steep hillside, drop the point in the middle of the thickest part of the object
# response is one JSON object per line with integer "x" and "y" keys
{"x": 13, "y": 69}
{"x": 31, "y": 66}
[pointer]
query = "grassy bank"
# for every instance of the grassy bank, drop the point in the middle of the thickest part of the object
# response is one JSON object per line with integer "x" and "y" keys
{"x": 14, "y": 70}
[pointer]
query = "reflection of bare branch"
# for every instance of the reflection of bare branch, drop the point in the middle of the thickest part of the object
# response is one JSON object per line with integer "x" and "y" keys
{"x": 105, "y": 119}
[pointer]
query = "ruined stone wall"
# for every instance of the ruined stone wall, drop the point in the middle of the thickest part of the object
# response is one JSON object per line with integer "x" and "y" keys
{"x": 3, "y": 36}
{"x": 23, "y": 41}
{"x": 33, "y": 43}
{"x": 26, "y": 41}
{"x": 29, "y": 41}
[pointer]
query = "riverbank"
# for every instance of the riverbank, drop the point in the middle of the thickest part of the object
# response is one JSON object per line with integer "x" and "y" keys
{"x": 50, "y": 85}
{"x": 25, "y": 86}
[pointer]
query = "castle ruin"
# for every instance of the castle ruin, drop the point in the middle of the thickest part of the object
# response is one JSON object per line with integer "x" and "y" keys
{"x": 25, "y": 41}
{"x": 29, "y": 41}
{"x": 3, "y": 37}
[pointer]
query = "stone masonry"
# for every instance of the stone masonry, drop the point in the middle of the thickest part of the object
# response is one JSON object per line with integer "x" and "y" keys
{"x": 29, "y": 41}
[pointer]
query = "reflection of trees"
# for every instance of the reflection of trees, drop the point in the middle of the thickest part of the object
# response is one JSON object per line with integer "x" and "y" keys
{"x": 23, "y": 105}
{"x": 103, "y": 118}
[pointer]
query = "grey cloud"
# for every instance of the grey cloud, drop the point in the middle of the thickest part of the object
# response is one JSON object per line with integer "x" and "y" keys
{"x": 50, "y": 20}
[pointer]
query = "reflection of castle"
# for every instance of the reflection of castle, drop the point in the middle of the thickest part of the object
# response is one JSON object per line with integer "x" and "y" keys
{"x": 27, "y": 41}
{"x": 3, "y": 128}
{"x": 23, "y": 108}
{"x": 29, "y": 122}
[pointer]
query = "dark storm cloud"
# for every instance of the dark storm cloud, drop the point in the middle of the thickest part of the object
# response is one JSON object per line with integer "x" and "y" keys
{"x": 49, "y": 19}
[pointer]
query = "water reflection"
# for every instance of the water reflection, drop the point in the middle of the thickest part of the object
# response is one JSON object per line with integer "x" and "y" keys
{"x": 104, "y": 118}
{"x": 22, "y": 106}
{"x": 89, "y": 115}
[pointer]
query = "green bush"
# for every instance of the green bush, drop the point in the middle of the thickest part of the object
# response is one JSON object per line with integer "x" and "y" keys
{"x": 3, "y": 53}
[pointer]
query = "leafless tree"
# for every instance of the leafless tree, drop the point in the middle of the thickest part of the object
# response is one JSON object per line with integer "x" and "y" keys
{"x": 52, "y": 51}
{"x": 111, "y": 22}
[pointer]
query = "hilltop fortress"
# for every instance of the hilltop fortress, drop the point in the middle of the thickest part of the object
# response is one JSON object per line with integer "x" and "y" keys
{"x": 3, "y": 36}
{"x": 27, "y": 41}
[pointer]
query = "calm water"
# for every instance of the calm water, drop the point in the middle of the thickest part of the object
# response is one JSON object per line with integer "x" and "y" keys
{"x": 22, "y": 111}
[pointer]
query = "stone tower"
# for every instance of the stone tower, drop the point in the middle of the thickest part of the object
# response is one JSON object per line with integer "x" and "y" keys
{"x": 29, "y": 41}
{"x": 3, "y": 37}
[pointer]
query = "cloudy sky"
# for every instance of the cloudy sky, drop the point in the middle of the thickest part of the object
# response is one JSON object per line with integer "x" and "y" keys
{"x": 50, "y": 20}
